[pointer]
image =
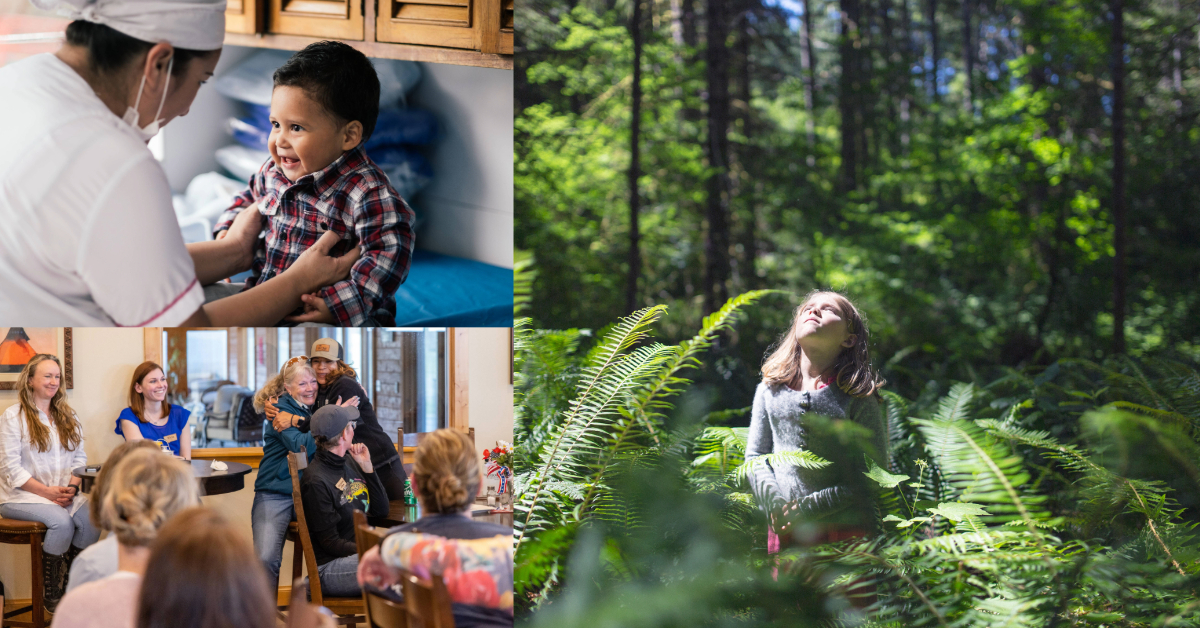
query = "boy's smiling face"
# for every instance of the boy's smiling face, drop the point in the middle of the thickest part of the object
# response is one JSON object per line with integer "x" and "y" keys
{"x": 304, "y": 137}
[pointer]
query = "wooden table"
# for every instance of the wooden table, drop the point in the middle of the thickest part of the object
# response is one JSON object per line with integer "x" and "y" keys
{"x": 399, "y": 512}
{"x": 212, "y": 482}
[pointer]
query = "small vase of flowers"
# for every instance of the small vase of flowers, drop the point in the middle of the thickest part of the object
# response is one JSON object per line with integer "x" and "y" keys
{"x": 499, "y": 464}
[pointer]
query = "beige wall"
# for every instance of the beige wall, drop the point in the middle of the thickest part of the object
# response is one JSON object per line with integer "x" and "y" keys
{"x": 490, "y": 395}
{"x": 104, "y": 363}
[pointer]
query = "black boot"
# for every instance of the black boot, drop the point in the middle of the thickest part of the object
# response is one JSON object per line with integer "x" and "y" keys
{"x": 72, "y": 553}
{"x": 54, "y": 572}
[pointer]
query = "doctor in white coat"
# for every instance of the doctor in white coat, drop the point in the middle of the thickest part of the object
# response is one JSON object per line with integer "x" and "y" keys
{"x": 88, "y": 236}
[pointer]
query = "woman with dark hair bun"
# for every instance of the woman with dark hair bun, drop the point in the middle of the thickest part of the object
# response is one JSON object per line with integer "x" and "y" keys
{"x": 90, "y": 237}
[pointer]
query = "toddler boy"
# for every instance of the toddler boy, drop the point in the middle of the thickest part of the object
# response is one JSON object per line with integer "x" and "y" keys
{"x": 323, "y": 108}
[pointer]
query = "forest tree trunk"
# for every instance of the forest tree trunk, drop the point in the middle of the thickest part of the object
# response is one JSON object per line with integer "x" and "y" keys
{"x": 635, "y": 165}
{"x": 1118, "y": 174}
{"x": 808, "y": 62}
{"x": 848, "y": 96}
{"x": 934, "y": 50}
{"x": 968, "y": 58}
{"x": 716, "y": 245}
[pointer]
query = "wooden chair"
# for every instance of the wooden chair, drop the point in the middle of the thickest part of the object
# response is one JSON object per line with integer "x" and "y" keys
{"x": 32, "y": 533}
{"x": 293, "y": 535}
{"x": 426, "y": 601}
{"x": 348, "y": 609}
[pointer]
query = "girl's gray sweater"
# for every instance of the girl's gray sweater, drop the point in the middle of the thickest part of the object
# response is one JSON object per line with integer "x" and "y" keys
{"x": 778, "y": 424}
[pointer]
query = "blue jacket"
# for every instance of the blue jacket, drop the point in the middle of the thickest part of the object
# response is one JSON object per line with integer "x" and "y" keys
{"x": 273, "y": 476}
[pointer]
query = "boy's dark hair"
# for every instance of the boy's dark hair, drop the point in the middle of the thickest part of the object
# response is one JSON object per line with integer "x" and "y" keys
{"x": 110, "y": 49}
{"x": 339, "y": 78}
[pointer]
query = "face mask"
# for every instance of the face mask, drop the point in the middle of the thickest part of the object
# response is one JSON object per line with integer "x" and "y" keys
{"x": 131, "y": 113}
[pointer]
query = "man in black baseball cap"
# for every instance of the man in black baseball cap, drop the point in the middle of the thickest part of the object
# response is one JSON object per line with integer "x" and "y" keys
{"x": 333, "y": 486}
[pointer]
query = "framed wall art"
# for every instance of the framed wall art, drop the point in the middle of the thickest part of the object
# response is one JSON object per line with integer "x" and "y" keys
{"x": 22, "y": 343}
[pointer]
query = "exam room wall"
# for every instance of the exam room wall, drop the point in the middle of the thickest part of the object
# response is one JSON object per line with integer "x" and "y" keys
{"x": 468, "y": 208}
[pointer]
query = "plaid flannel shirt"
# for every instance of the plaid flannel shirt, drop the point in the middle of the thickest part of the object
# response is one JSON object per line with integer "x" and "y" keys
{"x": 351, "y": 197}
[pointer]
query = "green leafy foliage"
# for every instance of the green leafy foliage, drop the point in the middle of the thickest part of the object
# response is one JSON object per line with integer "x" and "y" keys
{"x": 636, "y": 517}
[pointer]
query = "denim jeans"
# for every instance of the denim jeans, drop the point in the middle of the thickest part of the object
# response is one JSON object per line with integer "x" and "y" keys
{"x": 64, "y": 530}
{"x": 339, "y": 577}
{"x": 269, "y": 519}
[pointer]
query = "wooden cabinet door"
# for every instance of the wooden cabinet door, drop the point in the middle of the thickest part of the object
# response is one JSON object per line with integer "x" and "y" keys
{"x": 445, "y": 23}
{"x": 495, "y": 26}
{"x": 506, "y": 27}
{"x": 330, "y": 19}
{"x": 245, "y": 16}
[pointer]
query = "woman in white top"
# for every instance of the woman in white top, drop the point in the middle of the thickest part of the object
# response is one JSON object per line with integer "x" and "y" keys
{"x": 148, "y": 488}
{"x": 41, "y": 441}
{"x": 89, "y": 236}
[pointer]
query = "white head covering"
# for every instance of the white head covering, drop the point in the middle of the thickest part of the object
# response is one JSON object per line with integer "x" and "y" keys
{"x": 188, "y": 24}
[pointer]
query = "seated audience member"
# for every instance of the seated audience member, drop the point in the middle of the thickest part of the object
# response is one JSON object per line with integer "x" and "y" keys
{"x": 446, "y": 478}
{"x": 203, "y": 573}
{"x": 149, "y": 416}
{"x": 339, "y": 480}
{"x": 41, "y": 441}
{"x": 336, "y": 381}
{"x": 99, "y": 560}
{"x": 147, "y": 488}
{"x": 294, "y": 389}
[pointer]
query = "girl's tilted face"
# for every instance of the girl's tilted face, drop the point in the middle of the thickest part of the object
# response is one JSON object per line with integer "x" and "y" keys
{"x": 821, "y": 320}
{"x": 153, "y": 387}
{"x": 303, "y": 388}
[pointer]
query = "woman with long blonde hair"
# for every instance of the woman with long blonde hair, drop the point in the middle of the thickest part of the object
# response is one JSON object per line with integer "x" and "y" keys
{"x": 41, "y": 441}
{"x": 820, "y": 367}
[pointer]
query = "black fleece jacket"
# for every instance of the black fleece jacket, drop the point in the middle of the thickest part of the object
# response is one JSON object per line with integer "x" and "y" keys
{"x": 332, "y": 488}
{"x": 369, "y": 432}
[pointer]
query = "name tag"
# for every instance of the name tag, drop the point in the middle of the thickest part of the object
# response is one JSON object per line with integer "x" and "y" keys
{"x": 341, "y": 484}
{"x": 170, "y": 438}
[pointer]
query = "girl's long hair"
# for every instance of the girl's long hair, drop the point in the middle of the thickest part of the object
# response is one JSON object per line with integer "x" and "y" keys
{"x": 137, "y": 402}
{"x": 852, "y": 369}
{"x": 276, "y": 385}
{"x": 62, "y": 417}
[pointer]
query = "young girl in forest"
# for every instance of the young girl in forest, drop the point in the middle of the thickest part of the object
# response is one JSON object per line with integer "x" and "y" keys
{"x": 822, "y": 368}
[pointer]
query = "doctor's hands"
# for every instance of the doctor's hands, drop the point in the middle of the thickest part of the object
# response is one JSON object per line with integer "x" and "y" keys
{"x": 315, "y": 269}
{"x": 315, "y": 311}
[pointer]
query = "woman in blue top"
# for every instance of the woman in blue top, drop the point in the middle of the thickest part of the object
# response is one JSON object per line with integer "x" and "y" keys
{"x": 150, "y": 417}
{"x": 296, "y": 389}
